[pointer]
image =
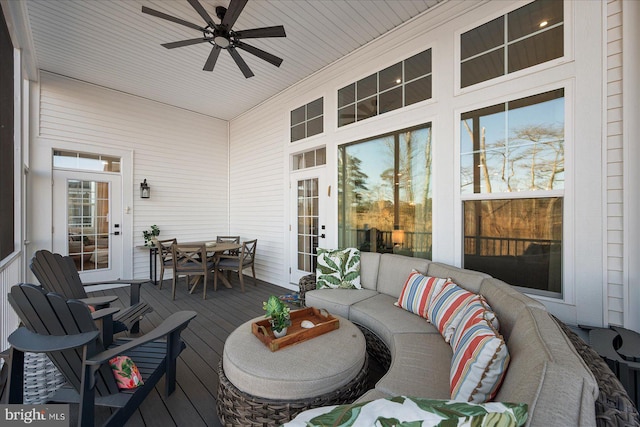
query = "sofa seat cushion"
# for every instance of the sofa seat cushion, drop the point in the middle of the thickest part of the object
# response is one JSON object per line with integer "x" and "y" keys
{"x": 380, "y": 315}
{"x": 337, "y": 301}
{"x": 420, "y": 367}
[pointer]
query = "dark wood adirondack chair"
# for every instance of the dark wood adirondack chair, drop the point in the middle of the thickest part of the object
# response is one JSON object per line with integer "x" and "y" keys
{"x": 57, "y": 273}
{"x": 65, "y": 331}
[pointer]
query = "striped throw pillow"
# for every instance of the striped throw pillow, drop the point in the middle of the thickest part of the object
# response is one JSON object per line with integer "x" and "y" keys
{"x": 446, "y": 308}
{"x": 418, "y": 291}
{"x": 479, "y": 362}
{"x": 477, "y": 307}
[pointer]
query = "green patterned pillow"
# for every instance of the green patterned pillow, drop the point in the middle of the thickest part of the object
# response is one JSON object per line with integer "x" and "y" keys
{"x": 338, "y": 268}
{"x": 402, "y": 411}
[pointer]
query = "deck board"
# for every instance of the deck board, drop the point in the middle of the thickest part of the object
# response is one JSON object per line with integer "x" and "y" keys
{"x": 194, "y": 401}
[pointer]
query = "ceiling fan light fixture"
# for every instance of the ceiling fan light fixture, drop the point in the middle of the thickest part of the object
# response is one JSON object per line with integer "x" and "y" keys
{"x": 222, "y": 41}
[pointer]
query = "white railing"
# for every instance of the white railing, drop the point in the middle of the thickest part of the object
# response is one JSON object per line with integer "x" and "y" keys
{"x": 9, "y": 276}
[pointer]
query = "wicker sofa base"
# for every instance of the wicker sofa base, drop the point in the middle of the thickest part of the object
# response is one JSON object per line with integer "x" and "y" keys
{"x": 376, "y": 349}
{"x": 237, "y": 408}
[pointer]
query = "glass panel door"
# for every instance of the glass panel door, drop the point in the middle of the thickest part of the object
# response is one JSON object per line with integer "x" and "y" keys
{"x": 307, "y": 226}
{"x": 87, "y": 222}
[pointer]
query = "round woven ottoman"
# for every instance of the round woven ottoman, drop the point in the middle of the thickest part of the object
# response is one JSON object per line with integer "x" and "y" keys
{"x": 259, "y": 387}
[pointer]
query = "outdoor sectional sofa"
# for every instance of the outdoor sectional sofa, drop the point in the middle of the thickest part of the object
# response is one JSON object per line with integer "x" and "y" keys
{"x": 545, "y": 371}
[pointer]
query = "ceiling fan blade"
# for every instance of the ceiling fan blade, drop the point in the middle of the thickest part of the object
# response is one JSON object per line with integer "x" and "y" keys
{"x": 233, "y": 11}
{"x": 240, "y": 62}
{"x": 198, "y": 7}
{"x": 159, "y": 14}
{"x": 211, "y": 60}
{"x": 272, "y": 59}
{"x": 182, "y": 43}
{"x": 254, "y": 33}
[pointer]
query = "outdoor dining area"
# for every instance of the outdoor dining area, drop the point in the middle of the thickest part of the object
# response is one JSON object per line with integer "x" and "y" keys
{"x": 198, "y": 260}
{"x": 175, "y": 340}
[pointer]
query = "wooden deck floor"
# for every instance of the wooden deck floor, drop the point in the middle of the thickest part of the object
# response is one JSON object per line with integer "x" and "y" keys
{"x": 194, "y": 401}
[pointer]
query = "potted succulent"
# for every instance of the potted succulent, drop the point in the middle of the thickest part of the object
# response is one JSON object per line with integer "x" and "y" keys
{"x": 150, "y": 236}
{"x": 279, "y": 313}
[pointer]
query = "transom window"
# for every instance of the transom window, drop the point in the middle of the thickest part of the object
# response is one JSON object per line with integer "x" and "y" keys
{"x": 309, "y": 159}
{"x": 528, "y": 36}
{"x": 399, "y": 85}
{"x": 85, "y": 161}
{"x": 307, "y": 120}
{"x": 512, "y": 184}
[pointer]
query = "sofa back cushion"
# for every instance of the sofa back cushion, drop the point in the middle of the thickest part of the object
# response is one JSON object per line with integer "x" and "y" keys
{"x": 468, "y": 279}
{"x": 369, "y": 265}
{"x": 546, "y": 373}
{"x": 394, "y": 270}
{"x": 507, "y": 303}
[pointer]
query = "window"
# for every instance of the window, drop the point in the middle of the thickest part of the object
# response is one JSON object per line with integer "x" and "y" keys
{"x": 7, "y": 218}
{"x": 307, "y": 120}
{"x": 528, "y": 36}
{"x": 515, "y": 150}
{"x": 309, "y": 159}
{"x": 385, "y": 193}
{"x": 397, "y": 86}
{"x": 85, "y": 161}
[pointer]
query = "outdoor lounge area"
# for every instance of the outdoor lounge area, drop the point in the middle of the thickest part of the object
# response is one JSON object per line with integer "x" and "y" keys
{"x": 490, "y": 144}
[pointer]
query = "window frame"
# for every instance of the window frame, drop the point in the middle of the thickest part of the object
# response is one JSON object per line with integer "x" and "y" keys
{"x": 306, "y": 120}
{"x": 568, "y": 19}
{"x": 378, "y": 92}
{"x": 567, "y": 295}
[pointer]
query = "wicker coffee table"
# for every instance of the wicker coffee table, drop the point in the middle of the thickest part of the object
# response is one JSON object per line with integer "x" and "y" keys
{"x": 259, "y": 387}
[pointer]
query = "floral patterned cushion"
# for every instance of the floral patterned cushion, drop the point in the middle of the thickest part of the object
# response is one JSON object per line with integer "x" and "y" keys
{"x": 338, "y": 268}
{"x": 126, "y": 372}
{"x": 414, "y": 412}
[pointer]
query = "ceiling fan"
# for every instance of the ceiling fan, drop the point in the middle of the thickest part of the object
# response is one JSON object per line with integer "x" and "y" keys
{"x": 222, "y": 36}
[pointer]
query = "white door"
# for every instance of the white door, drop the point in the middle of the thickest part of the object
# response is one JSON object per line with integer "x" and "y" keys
{"x": 307, "y": 227}
{"x": 87, "y": 222}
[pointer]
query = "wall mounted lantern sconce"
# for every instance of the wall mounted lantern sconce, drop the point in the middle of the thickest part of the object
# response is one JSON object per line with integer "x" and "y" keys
{"x": 145, "y": 190}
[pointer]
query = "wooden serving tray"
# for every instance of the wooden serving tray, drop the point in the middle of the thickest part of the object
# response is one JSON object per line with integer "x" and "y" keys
{"x": 295, "y": 333}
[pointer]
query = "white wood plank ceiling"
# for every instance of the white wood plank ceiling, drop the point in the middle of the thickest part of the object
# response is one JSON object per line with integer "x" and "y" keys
{"x": 111, "y": 43}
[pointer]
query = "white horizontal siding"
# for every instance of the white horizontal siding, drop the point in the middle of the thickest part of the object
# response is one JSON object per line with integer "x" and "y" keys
{"x": 183, "y": 155}
{"x": 615, "y": 158}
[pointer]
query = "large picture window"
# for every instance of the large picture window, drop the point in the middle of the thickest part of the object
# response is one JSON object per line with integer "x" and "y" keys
{"x": 512, "y": 186}
{"x": 385, "y": 193}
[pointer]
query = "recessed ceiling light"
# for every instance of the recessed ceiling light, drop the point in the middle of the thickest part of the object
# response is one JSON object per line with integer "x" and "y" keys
{"x": 544, "y": 24}
{"x": 398, "y": 81}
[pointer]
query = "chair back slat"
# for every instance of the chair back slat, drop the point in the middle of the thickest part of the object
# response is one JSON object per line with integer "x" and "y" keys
{"x": 50, "y": 314}
{"x": 249, "y": 251}
{"x": 165, "y": 250}
{"x": 57, "y": 274}
{"x": 189, "y": 258}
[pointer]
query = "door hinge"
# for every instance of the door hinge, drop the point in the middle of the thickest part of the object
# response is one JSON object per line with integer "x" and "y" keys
{"x": 289, "y": 270}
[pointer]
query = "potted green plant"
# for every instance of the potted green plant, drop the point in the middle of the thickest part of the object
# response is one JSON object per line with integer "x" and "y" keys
{"x": 279, "y": 313}
{"x": 150, "y": 236}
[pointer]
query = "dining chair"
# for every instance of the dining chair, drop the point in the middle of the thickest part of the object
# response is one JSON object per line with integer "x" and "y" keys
{"x": 166, "y": 256}
{"x": 244, "y": 259}
{"x": 190, "y": 260}
{"x": 229, "y": 239}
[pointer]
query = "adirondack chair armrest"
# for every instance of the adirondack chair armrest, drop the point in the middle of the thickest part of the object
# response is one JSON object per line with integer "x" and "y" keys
{"x": 174, "y": 323}
{"x": 100, "y": 302}
{"x": 24, "y": 340}
{"x": 135, "y": 287}
{"x": 104, "y": 320}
